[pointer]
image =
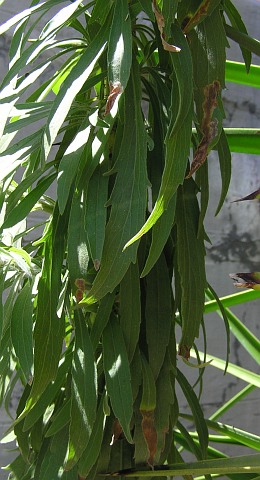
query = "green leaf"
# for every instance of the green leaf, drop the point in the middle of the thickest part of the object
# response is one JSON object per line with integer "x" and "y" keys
{"x": 60, "y": 419}
{"x": 225, "y": 167}
{"x": 78, "y": 256}
{"x": 84, "y": 392}
{"x": 191, "y": 264}
{"x": 69, "y": 164}
{"x": 96, "y": 214}
{"x": 222, "y": 466}
{"x": 59, "y": 20}
{"x": 237, "y": 22}
{"x": 197, "y": 413}
{"x": 117, "y": 375}
{"x": 90, "y": 455}
{"x": 28, "y": 202}
{"x": 130, "y": 308}
{"x": 49, "y": 328}
{"x": 71, "y": 86}
{"x": 236, "y": 73}
{"x": 158, "y": 313}
{"x": 21, "y": 329}
{"x": 33, "y": 415}
{"x": 243, "y": 40}
{"x": 54, "y": 456}
{"x": 128, "y": 198}
{"x": 160, "y": 235}
{"x": 239, "y": 372}
{"x": 101, "y": 319}
{"x": 147, "y": 7}
{"x": 119, "y": 55}
{"x": 179, "y": 131}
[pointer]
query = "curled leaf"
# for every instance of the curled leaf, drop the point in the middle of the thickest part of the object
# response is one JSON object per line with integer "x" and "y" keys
{"x": 161, "y": 24}
{"x": 250, "y": 280}
{"x": 203, "y": 11}
{"x": 209, "y": 126}
{"x": 252, "y": 196}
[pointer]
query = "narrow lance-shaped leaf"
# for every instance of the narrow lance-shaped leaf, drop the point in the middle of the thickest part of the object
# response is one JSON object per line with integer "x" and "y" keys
{"x": 128, "y": 198}
{"x": 117, "y": 374}
{"x": 191, "y": 265}
{"x": 119, "y": 54}
{"x": 252, "y": 196}
{"x": 179, "y": 131}
{"x": 84, "y": 392}
{"x": 158, "y": 313}
{"x": 96, "y": 215}
{"x": 21, "y": 329}
{"x": 130, "y": 308}
{"x": 71, "y": 86}
{"x": 49, "y": 328}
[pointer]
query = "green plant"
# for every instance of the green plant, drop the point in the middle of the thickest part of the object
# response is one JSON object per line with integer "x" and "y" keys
{"x": 88, "y": 325}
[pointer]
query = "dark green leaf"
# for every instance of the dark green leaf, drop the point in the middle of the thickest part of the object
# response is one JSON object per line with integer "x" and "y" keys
{"x": 179, "y": 131}
{"x": 237, "y": 22}
{"x": 101, "y": 319}
{"x": 28, "y": 202}
{"x": 117, "y": 374}
{"x": 49, "y": 328}
{"x": 119, "y": 55}
{"x": 225, "y": 167}
{"x": 21, "y": 329}
{"x": 191, "y": 264}
{"x": 54, "y": 456}
{"x": 128, "y": 198}
{"x": 197, "y": 413}
{"x": 90, "y": 455}
{"x": 61, "y": 418}
{"x": 130, "y": 308}
{"x": 158, "y": 313}
{"x": 96, "y": 214}
{"x": 84, "y": 392}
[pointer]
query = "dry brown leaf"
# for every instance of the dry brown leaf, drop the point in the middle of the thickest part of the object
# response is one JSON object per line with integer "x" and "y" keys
{"x": 150, "y": 434}
{"x": 115, "y": 90}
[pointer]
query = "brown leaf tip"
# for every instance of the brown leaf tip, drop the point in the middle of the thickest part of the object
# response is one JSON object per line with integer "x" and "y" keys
{"x": 115, "y": 90}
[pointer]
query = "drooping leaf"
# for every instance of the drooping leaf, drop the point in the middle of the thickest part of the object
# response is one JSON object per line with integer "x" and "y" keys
{"x": 197, "y": 413}
{"x": 178, "y": 134}
{"x": 49, "y": 328}
{"x": 21, "y": 329}
{"x": 84, "y": 392}
{"x": 158, "y": 313}
{"x": 191, "y": 265}
{"x": 117, "y": 374}
{"x": 128, "y": 198}
{"x": 90, "y": 455}
{"x": 130, "y": 308}
{"x": 96, "y": 214}
{"x": 237, "y": 22}
{"x": 119, "y": 54}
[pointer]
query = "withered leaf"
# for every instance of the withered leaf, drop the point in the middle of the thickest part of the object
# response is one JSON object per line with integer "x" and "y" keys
{"x": 161, "y": 24}
{"x": 252, "y": 196}
{"x": 209, "y": 126}
{"x": 115, "y": 90}
{"x": 150, "y": 434}
{"x": 250, "y": 280}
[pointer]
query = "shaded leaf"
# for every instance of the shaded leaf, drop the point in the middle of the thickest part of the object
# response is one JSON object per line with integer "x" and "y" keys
{"x": 130, "y": 308}
{"x": 21, "y": 329}
{"x": 158, "y": 313}
{"x": 117, "y": 374}
{"x": 128, "y": 198}
{"x": 96, "y": 214}
{"x": 84, "y": 392}
{"x": 191, "y": 265}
